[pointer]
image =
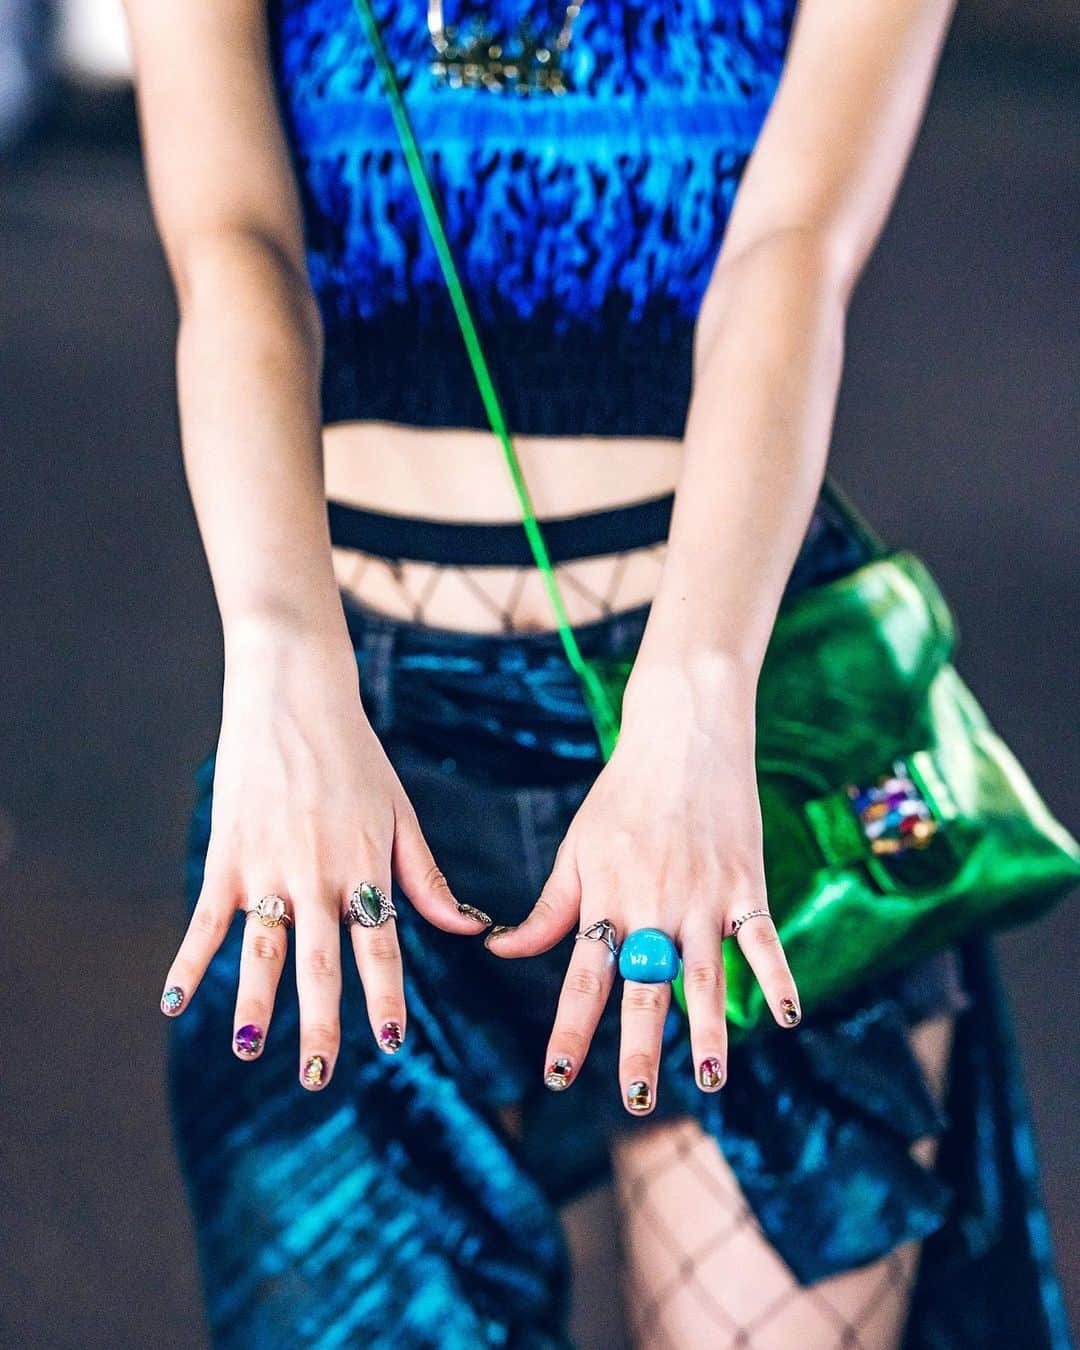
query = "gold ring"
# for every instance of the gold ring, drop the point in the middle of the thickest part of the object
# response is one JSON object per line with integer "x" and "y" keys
{"x": 271, "y": 912}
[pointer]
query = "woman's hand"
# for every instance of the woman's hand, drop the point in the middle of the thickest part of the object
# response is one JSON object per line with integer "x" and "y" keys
{"x": 669, "y": 837}
{"x": 306, "y": 806}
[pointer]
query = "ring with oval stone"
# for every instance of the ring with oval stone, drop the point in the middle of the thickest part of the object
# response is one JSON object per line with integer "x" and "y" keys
{"x": 369, "y": 907}
{"x": 271, "y": 912}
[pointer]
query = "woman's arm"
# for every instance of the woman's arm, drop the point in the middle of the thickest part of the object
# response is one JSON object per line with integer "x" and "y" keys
{"x": 249, "y": 348}
{"x": 770, "y": 332}
{"x": 670, "y": 834}
{"x": 305, "y": 803}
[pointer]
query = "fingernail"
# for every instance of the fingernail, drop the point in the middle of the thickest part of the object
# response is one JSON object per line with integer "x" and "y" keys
{"x": 559, "y": 1073}
{"x": 314, "y": 1074}
{"x": 639, "y": 1095}
{"x": 471, "y": 912}
{"x": 172, "y": 1000}
{"x": 497, "y": 931}
{"x": 390, "y": 1037}
{"x": 710, "y": 1072}
{"x": 789, "y": 1010}
{"x": 248, "y": 1041}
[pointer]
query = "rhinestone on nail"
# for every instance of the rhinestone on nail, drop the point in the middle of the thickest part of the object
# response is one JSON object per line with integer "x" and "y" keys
{"x": 314, "y": 1072}
{"x": 172, "y": 1000}
{"x": 248, "y": 1041}
{"x": 390, "y": 1037}
{"x": 559, "y": 1073}
{"x": 639, "y": 1096}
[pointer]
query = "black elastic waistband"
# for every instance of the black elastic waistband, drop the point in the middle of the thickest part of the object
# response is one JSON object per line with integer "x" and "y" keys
{"x": 472, "y": 544}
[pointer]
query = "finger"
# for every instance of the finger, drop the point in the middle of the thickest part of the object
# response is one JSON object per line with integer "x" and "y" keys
{"x": 644, "y": 1008}
{"x": 422, "y": 880}
{"x": 554, "y": 914}
{"x": 703, "y": 987}
{"x": 262, "y": 957}
{"x": 318, "y": 989}
{"x": 759, "y": 942}
{"x": 214, "y": 912}
{"x": 378, "y": 959}
{"x": 585, "y": 992}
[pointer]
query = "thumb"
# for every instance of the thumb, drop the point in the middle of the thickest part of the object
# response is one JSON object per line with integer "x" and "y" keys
{"x": 422, "y": 880}
{"x": 554, "y": 914}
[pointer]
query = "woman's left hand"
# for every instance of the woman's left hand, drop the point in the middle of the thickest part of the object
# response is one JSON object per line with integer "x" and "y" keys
{"x": 669, "y": 837}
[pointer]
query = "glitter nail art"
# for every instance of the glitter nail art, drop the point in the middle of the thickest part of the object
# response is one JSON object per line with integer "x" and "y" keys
{"x": 558, "y": 1075}
{"x": 789, "y": 1010}
{"x": 172, "y": 1000}
{"x": 314, "y": 1072}
{"x": 390, "y": 1037}
{"x": 248, "y": 1041}
{"x": 639, "y": 1096}
{"x": 497, "y": 931}
{"x": 710, "y": 1072}
{"x": 471, "y": 912}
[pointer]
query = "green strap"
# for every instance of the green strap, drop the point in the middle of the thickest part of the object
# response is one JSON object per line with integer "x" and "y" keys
{"x": 599, "y": 701}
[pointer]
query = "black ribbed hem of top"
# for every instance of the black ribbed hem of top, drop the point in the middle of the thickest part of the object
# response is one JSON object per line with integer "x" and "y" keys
{"x": 409, "y": 365}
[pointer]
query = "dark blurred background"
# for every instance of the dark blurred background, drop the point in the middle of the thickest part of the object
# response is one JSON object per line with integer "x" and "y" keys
{"x": 957, "y": 434}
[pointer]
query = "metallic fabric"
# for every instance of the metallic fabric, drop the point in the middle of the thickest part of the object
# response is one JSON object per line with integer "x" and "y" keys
{"x": 389, "y": 1209}
{"x": 869, "y": 869}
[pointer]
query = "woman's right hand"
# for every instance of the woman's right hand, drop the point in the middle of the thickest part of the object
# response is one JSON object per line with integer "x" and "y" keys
{"x": 306, "y": 805}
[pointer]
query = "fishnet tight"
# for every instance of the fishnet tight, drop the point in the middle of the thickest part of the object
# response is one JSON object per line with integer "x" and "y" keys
{"x": 505, "y": 599}
{"x": 696, "y": 1271}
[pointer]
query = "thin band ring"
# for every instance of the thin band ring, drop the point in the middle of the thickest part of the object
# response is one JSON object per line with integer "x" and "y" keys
{"x": 369, "y": 906}
{"x": 603, "y": 930}
{"x": 736, "y": 924}
{"x": 270, "y": 911}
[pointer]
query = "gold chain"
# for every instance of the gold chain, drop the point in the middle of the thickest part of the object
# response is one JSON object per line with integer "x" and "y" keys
{"x": 480, "y": 59}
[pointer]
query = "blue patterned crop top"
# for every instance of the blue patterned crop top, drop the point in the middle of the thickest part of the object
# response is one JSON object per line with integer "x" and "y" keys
{"x": 585, "y": 225}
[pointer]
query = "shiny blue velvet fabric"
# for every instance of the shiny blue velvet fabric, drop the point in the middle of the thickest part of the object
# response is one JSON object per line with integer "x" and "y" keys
{"x": 585, "y": 226}
{"x": 390, "y": 1209}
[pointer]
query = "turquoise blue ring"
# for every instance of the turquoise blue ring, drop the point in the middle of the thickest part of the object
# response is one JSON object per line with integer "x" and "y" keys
{"x": 648, "y": 956}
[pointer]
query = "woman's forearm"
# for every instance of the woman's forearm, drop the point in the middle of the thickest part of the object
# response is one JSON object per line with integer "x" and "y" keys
{"x": 767, "y": 363}
{"x": 248, "y": 363}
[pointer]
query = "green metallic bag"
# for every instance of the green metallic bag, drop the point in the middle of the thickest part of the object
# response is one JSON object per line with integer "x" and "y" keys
{"x": 895, "y": 819}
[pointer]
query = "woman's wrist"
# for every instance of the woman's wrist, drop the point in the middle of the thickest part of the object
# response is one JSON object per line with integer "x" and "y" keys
{"x": 704, "y": 689}
{"x": 284, "y": 636}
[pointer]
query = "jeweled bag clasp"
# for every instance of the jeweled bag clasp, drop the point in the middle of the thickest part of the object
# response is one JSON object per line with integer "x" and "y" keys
{"x": 894, "y": 815}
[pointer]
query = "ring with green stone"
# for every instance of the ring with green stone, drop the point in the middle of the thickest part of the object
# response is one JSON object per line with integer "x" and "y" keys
{"x": 369, "y": 907}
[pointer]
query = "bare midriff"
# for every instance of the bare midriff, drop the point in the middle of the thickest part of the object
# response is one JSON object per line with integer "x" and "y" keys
{"x": 459, "y": 474}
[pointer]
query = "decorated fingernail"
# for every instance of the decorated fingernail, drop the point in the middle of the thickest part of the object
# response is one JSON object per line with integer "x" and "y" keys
{"x": 172, "y": 1000}
{"x": 559, "y": 1073}
{"x": 314, "y": 1074}
{"x": 248, "y": 1041}
{"x": 497, "y": 931}
{"x": 390, "y": 1037}
{"x": 710, "y": 1072}
{"x": 789, "y": 1011}
{"x": 471, "y": 912}
{"x": 639, "y": 1095}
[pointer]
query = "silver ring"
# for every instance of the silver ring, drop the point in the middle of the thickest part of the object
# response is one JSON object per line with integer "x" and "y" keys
{"x": 270, "y": 911}
{"x": 369, "y": 907}
{"x": 603, "y": 930}
{"x": 736, "y": 924}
